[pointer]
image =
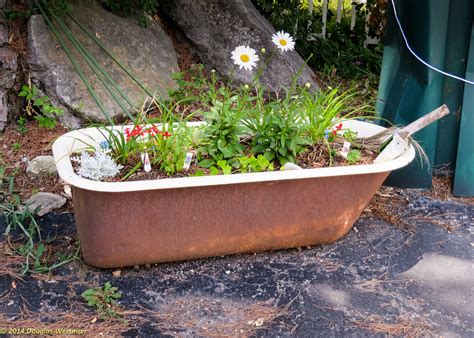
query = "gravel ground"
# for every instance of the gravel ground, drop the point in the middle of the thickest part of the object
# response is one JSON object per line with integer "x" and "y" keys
{"x": 407, "y": 279}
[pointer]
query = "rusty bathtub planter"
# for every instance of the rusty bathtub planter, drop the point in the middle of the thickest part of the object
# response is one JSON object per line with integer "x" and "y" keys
{"x": 132, "y": 223}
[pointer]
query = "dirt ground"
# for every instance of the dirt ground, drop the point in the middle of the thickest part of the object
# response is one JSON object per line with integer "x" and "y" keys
{"x": 405, "y": 269}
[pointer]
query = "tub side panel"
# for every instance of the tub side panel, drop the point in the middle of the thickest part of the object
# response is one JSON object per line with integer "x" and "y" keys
{"x": 132, "y": 228}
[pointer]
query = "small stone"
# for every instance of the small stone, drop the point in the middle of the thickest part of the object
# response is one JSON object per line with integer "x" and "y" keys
{"x": 291, "y": 166}
{"x": 117, "y": 273}
{"x": 45, "y": 202}
{"x": 68, "y": 190}
{"x": 10, "y": 303}
{"x": 42, "y": 166}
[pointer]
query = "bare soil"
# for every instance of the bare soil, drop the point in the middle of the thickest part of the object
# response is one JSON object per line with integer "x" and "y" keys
{"x": 19, "y": 148}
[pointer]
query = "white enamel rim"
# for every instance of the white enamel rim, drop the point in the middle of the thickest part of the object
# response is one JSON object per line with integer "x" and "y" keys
{"x": 73, "y": 141}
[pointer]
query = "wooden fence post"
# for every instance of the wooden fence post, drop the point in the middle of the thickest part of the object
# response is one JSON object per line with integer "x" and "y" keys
{"x": 325, "y": 17}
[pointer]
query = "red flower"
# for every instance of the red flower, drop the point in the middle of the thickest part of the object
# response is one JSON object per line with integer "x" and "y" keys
{"x": 139, "y": 131}
{"x": 336, "y": 128}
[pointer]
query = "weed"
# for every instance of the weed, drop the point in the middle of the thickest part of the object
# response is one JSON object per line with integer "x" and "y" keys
{"x": 104, "y": 300}
{"x": 40, "y": 107}
{"x": 192, "y": 86}
{"x": 21, "y": 128}
{"x": 32, "y": 247}
{"x": 16, "y": 146}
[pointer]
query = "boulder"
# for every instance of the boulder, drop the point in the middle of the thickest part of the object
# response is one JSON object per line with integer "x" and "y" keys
{"x": 147, "y": 52}
{"x": 3, "y": 34}
{"x": 216, "y": 27}
{"x": 44, "y": 202}
{"x": 8, "y": 71}
{"x": 41, "y": 166}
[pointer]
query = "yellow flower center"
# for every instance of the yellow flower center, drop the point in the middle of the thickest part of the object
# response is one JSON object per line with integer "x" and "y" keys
{"x": 245, "y": 58}
{"x": 283, "y": 42}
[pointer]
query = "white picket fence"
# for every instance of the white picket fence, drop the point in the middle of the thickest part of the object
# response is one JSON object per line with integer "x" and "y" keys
{"x": 340, "y": 10}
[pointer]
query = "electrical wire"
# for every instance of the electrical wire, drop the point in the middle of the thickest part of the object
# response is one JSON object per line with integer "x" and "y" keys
{"x": 419, "y": 58}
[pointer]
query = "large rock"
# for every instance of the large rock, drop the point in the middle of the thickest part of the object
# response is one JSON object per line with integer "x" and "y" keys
{"x": 216, "y": 27}
{"x": 8, "y": 71}
{"x": 147, "y": 52}
{"x": 45, "y": 202}
{"x": 3, "y": 34}
{"x": 42, "y": 166}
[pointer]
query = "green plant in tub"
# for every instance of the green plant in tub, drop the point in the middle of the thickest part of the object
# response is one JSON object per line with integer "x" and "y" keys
{"x": 245, "y": 129}
{"x": 255, "y": 164}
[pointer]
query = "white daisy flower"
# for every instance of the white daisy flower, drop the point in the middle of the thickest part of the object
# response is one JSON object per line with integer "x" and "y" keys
{"x": 283, "y": 41}
{"x": 245, "y": 57}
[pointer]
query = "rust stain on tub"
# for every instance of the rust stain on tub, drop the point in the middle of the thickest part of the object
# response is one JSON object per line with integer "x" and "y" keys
{"x": 133, "y": 228}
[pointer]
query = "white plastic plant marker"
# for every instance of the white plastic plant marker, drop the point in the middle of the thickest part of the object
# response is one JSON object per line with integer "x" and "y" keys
{"x": 146, "y": 162}
{"x": 394, "y": 149}
{"x": 345, "y": 149}
{"x": 187, "y": 160}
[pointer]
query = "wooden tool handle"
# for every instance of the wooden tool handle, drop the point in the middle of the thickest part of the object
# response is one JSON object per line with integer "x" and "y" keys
{"x": 424, "y": 121}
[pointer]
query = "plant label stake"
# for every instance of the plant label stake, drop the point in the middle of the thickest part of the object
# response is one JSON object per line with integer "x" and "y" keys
{"x": 146, "y": 162}
{"x": 345, "y": 149}
{"x": 187, "y": 160}
{"x": 399, "y": 143}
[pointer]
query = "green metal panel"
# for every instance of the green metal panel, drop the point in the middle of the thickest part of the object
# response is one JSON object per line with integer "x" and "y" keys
{"x": 464, "y": 175}
{"x": 439, "y": 31}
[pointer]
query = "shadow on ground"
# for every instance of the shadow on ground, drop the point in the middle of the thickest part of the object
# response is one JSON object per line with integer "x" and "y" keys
{"x": 379, "y": 279}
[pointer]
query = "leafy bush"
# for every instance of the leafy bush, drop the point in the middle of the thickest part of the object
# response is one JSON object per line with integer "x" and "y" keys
{"x": 342, "y": 51}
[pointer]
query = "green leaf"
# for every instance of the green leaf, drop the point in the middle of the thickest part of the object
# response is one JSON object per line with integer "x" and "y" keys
{"x": 40, "y": 250}
{"x": 177, "y": 76}
{"x": 262, "y": 162}
{"x": 213, "y": 171}
{"x": 226, "y": 169}
{"x": 198, "y": 173}
{"x": 207, "y": 163}
{"x": 47, "y": 108}
{"x": 88, "y": 292}
{"x": 38, "y": 102}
